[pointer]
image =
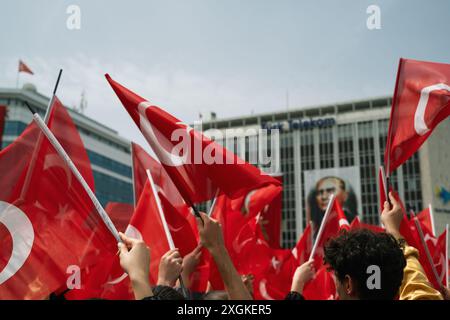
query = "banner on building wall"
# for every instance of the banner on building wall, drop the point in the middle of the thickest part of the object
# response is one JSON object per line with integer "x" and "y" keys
{"x": 321, "y": 183}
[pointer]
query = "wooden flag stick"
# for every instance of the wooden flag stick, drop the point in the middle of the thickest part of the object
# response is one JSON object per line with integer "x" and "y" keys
{"x": 322, "y": 225}
{"x": 65, "y": 157}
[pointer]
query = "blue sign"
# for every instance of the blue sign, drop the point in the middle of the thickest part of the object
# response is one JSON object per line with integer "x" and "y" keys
{"x": 298, "y": 124}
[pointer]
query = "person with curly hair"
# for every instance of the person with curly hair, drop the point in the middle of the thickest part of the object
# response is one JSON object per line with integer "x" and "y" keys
{"x": 354, "y": 254}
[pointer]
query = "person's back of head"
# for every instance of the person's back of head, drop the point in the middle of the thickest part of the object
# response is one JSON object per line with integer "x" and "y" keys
{"x": 216, "y": 295}
{"x": 367, "y": 265}
{"x": 167, "y": 293}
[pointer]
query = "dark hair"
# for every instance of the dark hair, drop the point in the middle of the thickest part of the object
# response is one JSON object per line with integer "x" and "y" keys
{"x": 351, "y": 253}
{"x": 167, "y": 293}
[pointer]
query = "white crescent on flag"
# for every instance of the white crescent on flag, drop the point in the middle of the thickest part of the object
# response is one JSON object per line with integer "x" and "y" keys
{"x": 55, "y": 161}
{"x": 263, "y": 290}
{"x": 22, "y": 233}
{"x": 164, "y": 156}
{"x": 419, "y": 117}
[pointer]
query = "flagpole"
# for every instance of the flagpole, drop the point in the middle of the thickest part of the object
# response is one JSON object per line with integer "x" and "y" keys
{"x": 213, "y": 204}
{"x": 62, "y": 153}
{"x": 322, "y": 225}
{"x": 433, "y": 228}
{"x": 389, "y": 136}
{"x": 427, "y": 251}
{"x": 446, "y": 255}
{"x": 160, "y": 211}
{"x": 39, "y": 141}
{"x": 165, "y": 226}
{"x": 17, "y": 79}
{"x": 132, "y": 174}
{"x": 50, "y": 103}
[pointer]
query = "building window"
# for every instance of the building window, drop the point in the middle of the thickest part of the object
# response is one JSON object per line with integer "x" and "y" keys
{"x": 326, "y": 148}
{"x": 345, "y": 145}
{"x": 108, "y": 188}
{"x": 109, "y": 164}
{"x": 368, "y": 173}
{"x": 14, "y": 128}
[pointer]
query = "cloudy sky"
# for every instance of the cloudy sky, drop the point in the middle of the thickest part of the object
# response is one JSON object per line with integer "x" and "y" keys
{"x": 233, "y": 57}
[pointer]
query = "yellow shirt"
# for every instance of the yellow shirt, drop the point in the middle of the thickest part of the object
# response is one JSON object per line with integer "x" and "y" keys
{"x": 415, "y": 284}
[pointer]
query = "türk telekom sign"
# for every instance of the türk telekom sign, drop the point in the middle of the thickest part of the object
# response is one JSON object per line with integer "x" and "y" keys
{"x": 299, "y": 124}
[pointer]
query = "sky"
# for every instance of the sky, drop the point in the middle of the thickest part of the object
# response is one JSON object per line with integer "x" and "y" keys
{"x": 233, "y": 57}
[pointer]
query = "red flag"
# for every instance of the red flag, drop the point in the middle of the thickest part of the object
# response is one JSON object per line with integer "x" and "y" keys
{"x": 66, "y": 132}
{"x": 357, "y": 224}
{"x": 302, "y": 249}
{"x": 439, "y": 252}
{"x": 53, "y": 225}
{"x": 182, "y": 234}
{"x": 322, "y": 287}
{"x": 267, "y": 201}
{"x": 426, "y": 219}
{"x": 333, "y": 222}
{"x": 420, "y": 244}
{"x": 147, "y": 225}
{"x": 421, "y": 101}
{"x": 197, "y": 165}
{"x": 24, "y": 68}
{"x": 120, "y": 214}
{"x": 405, "y": 230}
{"x": 142, "y": 162}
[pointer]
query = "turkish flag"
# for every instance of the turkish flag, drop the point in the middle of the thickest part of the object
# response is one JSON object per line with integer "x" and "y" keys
{"x": 421, "y": 101}
{"x": 146, "y": 224}
{"x": 333, "y": 223}
{"x": 267, "y": 201}
{"x": 120, "y": 214}
{"x": 179, "y": 217}
{"x": 49, "y": 225}
{"x": 405, "y": 230}
{"x": 303, "y": 248}
{"x": 63, "y": 128}
{"x": 24, "y": 68}
{"x": 182, "y": 234}
{"x": 426, "y": 219}
{"x": 357, "y": 224}
{"x": 142, "y": 162}
{"x": 322, "y": 287}
{"x": 197, "y": 165}
{"x": 439, "y": 253}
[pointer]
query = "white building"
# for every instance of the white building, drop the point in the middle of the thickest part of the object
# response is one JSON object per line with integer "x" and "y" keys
{"x": 346, "y": 140}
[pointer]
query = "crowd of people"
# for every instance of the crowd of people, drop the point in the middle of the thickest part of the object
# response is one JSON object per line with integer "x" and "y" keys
{"x": 348, "y": 256}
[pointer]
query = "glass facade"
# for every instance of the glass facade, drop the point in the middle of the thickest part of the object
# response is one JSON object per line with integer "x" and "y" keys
{"x": 109, "y": 164}
{"x": 358, "y": 143}
{"x": 108, "y": 187}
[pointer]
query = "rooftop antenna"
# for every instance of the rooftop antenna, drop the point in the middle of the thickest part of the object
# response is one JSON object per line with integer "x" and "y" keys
{"x": 83, "y": 102}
